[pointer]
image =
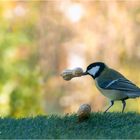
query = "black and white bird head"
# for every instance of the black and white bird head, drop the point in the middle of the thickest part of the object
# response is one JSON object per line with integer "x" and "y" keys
{"x": 95, "y": 69}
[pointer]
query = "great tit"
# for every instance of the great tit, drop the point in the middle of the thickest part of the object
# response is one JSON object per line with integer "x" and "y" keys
{"x": 112, "y": 84}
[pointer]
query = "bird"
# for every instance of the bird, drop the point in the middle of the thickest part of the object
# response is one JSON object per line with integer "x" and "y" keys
{"x": 112, "y": 84}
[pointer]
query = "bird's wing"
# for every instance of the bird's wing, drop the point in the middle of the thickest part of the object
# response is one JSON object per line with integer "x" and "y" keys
{"x": 121, "y": 84}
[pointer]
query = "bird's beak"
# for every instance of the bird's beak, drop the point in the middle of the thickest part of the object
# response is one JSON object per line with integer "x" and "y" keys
{"x": 85, "y": 73}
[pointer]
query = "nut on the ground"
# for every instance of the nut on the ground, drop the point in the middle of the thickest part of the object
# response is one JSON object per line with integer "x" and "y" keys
{"x": 83, "y": 112}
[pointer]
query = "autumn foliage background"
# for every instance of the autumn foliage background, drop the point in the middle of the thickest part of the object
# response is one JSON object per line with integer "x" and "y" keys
{"x": 39, "y": 39}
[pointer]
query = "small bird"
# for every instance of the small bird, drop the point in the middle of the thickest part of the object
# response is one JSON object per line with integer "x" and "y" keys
{"x": 112, "y": 84}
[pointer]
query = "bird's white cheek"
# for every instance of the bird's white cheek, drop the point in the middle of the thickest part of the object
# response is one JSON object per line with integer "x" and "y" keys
{"x": 94, "y": 70}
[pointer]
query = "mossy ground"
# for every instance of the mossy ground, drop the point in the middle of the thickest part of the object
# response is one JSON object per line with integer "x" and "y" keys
{"x": 99, "y": 125}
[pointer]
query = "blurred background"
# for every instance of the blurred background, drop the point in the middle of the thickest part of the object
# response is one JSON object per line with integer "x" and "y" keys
{"x": 39, "y": 39}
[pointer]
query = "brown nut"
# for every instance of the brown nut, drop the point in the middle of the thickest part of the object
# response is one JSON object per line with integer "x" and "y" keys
{"x": 83, "y": 112}
{"x": 77, "y": 72}
{"x": 67, "y": 74}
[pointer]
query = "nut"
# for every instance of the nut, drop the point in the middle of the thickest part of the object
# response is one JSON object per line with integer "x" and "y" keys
{"x": 77, "y": 72}
{"x": 83, "y": 112}
{"x": 69, "y": 74}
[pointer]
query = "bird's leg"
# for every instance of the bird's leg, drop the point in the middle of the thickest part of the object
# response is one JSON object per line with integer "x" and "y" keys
{"x": 112, "y": 103}
{"x": 124, "y": 104}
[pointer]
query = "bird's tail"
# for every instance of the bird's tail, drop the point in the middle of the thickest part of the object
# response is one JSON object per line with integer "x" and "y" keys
{"x": 133, "y": 95}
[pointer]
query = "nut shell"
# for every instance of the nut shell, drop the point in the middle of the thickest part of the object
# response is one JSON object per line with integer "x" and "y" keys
{"x": 84, "y": 112}
{"x": 67, "y": 74}
{"x": 78, "y": 72}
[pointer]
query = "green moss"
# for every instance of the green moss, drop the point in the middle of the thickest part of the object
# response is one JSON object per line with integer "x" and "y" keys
{"x": 99, "y": 125}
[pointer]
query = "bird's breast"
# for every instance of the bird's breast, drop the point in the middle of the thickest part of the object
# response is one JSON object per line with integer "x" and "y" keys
{"x": 111, "y": 94}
